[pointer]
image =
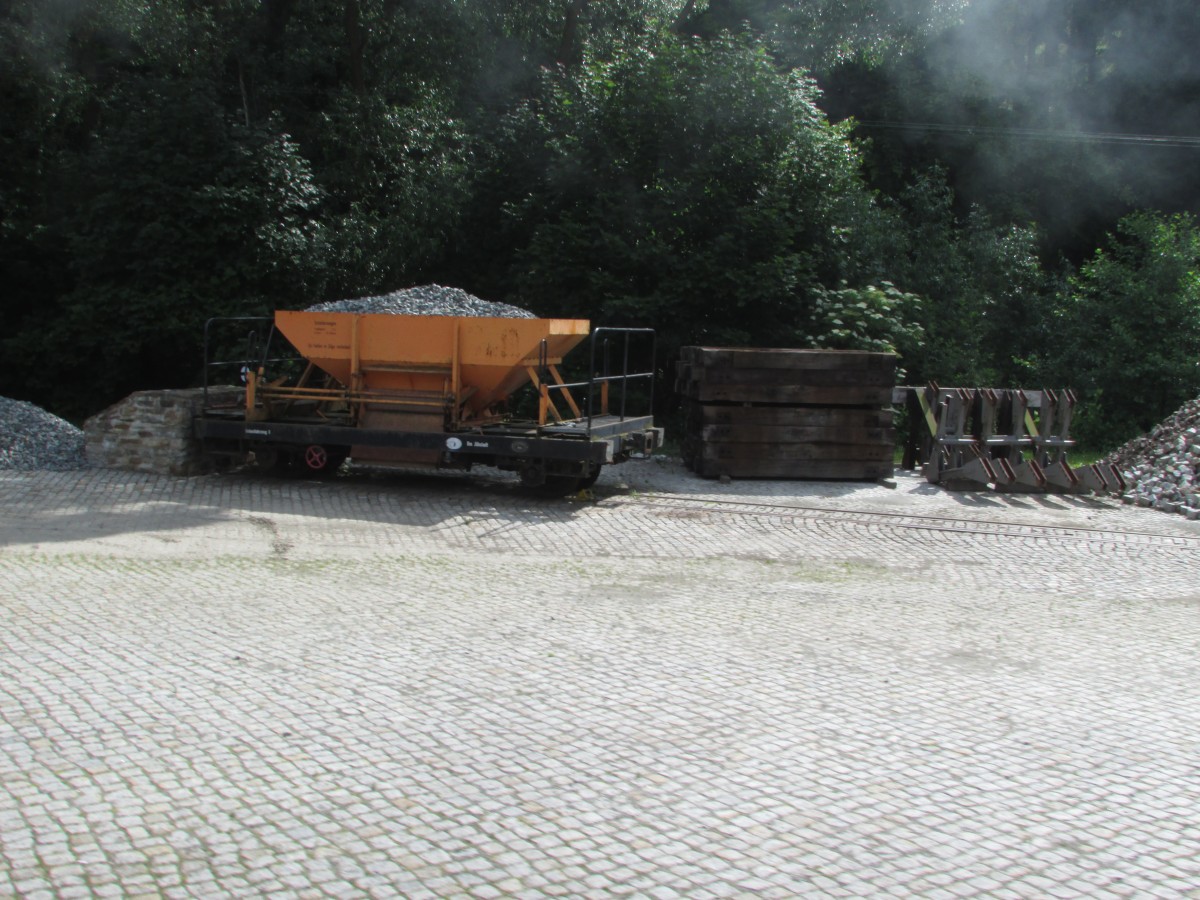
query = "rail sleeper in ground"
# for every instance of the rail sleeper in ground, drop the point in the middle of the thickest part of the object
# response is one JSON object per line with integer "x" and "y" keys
{"x": 430, "y": 391}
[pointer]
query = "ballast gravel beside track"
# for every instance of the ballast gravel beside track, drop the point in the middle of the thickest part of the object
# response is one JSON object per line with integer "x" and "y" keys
{"x": 32, "y": 438}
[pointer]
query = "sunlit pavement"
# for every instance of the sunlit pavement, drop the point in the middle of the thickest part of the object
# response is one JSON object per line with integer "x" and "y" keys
{"x": 428, "y": 687}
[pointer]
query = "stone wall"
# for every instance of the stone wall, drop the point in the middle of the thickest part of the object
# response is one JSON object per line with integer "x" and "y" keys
{"x": 151, "y": 431}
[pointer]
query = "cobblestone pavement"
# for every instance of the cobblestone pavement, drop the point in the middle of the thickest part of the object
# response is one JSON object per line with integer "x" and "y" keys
{"x": 429, "y": 687}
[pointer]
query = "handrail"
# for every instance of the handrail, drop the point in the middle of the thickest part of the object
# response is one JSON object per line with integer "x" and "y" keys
{"x": 251, "y": 336}
{"x": 594, "y": 379}
{"x": 625, "y": 376}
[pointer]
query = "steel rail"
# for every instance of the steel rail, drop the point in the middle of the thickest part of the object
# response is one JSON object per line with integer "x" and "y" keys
{"x": 924, "y": 521}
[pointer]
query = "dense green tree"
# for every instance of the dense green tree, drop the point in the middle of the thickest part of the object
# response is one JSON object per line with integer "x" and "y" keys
{"x": 818, "y": 35}
{"x": 1065, "y": 113}
{"x": 983, "y": 285}
{"x": 396, "y": 178}
{"x": 166, "y": 234}
{"x": 688, "y": 184}
{"x": 157, "y": 206}
{"x": 880, "y": 318}
{"x": 43, "y": 106}
{"x": 1128, "y": 329}
{"x": 659, "y": 161}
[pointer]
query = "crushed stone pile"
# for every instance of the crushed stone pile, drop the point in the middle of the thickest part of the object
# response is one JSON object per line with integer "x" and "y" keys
{"x": 31, "y": 439}
{"x": 426, "y": 300}
{"x": 1163, "y": 467}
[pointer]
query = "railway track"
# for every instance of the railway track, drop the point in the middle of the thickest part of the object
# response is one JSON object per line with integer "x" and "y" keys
{"x": 922, "y": 522}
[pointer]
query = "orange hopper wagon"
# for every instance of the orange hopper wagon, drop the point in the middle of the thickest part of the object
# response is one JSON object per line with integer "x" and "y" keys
{"x": 434, "y": 391}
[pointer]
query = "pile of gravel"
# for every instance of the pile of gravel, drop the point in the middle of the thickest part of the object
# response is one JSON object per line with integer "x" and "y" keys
{"x": 1163, "y": 467}
{"x": 426, "y": 300}
{"x": 31, "y": 438}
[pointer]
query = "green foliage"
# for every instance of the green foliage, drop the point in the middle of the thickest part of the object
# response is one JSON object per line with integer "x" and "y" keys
{"x": 41, "y": 109}
{"x": 164, "y": 235}
{"x": 1128, "y": 328}
{"x": 1055, "y": 112}
{"x": 820, "y": 34}
{"x": 661, "y": 162}
{"x": 983, "y": 283}
{"x": 685, "y": 184}
{"x": 879, "y": 318}
{"x": 396, "y": 179}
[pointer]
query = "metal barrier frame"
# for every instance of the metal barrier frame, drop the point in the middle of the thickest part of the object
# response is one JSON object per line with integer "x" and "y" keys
{"x": 977, "y": 437}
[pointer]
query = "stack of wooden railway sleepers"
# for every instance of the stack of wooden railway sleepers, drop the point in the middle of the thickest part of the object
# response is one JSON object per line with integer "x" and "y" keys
{"x": 776, "y": 413}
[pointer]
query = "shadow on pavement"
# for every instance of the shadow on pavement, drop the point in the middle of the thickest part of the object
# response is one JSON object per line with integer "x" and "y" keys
{"x": 50, "y": 507}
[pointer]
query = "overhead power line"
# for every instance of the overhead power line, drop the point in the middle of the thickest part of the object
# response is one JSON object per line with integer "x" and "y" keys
{"x": 1038, "y": 134}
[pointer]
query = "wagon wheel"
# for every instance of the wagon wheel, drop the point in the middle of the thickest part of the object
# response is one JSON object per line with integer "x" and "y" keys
{"x": 275, "y": 461}
{"x": 266, "y": 459}
{"x": 590, "y": 478}
{"x": 549, "y": 484}
{"x": 321, "y": 460}
{"x": 316, "y": 458}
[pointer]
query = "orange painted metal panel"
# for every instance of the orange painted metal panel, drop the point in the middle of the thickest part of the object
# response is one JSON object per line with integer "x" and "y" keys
{"x": 402, "y": 354}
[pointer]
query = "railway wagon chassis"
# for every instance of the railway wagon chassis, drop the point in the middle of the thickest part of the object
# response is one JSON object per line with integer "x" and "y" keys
{"x": 430, "y": 392}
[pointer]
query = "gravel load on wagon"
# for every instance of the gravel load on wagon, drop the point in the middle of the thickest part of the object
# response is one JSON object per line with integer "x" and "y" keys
{"x": 1163, "y": 467}
{"x": 426, "y": 300}
{"x": 31, "y": 438}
